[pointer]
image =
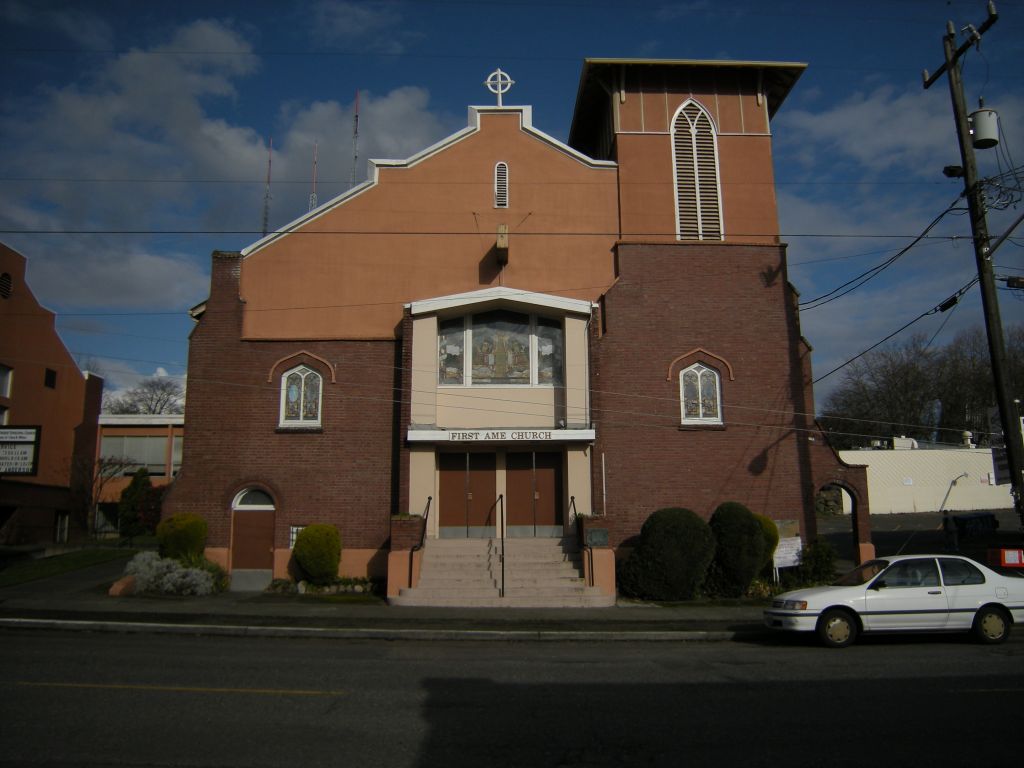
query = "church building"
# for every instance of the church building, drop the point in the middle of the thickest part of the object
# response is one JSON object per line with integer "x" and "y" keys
{"x": 507, "y": 348}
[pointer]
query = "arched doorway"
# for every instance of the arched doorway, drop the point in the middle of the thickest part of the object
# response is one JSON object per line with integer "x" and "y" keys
{"x": 252, "y": 540}
{"x": 836, "y": 511}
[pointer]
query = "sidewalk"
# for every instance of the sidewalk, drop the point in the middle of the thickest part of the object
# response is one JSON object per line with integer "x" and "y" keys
{"x": 78, "y": 601}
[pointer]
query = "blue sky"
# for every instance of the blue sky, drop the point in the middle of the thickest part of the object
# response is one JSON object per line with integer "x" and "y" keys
{"x": 135, "y": 138}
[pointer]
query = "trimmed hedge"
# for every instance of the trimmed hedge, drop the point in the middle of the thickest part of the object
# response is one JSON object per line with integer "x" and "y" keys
{"x": 671, "y": 558}
{"x": 739, "y": 549}
{"x": 182, "y": 536}
{"x": 317, "y": 552}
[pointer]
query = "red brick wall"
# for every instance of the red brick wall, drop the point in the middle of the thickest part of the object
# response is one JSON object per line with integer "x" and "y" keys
{"x": 734, "y": 302}
{"x": 340, "y": 474}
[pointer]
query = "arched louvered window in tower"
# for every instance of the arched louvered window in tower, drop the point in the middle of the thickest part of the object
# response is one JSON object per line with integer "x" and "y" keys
{"x": 501, "y": 185}
{"x": 695, "y": 161}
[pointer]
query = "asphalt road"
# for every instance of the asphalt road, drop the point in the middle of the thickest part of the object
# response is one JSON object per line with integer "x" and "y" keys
{"x": 71, "y": 699}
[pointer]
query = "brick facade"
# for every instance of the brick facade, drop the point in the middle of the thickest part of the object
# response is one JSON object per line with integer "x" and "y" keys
{"x": 728, "y": 307}
{"x": 340, "y": 473}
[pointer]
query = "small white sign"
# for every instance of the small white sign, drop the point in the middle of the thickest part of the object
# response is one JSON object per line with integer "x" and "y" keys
{"x": 787, "y": 553}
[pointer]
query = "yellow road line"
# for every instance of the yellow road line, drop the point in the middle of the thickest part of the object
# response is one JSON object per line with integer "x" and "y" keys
{"x": 181, "y": 689}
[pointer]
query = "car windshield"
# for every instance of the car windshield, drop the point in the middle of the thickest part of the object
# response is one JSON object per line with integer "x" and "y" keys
{"x": 862, "y": 574}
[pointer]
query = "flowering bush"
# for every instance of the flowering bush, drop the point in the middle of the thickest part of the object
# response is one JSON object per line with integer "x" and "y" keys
{"x": 165, "y": 576}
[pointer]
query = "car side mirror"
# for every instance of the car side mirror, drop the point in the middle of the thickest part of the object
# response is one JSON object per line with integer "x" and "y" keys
{"x": 877, "y": 585}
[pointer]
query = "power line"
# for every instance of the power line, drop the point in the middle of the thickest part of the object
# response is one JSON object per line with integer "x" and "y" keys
{"x": 938, "y": 308}
{"x": 856, "y": 282}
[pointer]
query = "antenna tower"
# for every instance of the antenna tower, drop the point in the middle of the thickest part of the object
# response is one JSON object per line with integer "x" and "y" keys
{"x": 355, "y": 142}
{"x": 266, "y": 193}
{"x": 312, "y": 195}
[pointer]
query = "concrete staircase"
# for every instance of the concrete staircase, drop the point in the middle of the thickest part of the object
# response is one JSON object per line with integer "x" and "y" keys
{"x": 466, "y": 573}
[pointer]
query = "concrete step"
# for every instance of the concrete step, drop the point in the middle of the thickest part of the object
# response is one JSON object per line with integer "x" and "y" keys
{"x": 467, "y": 572}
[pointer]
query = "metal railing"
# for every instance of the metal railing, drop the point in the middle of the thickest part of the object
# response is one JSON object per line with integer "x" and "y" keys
{"x": 581, "y": 539}
{"x": 423, "y": 536}
{"x": 501, "y": 531}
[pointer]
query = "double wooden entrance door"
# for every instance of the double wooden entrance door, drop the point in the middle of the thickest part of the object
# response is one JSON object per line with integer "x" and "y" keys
{"x": 468, "y": 504}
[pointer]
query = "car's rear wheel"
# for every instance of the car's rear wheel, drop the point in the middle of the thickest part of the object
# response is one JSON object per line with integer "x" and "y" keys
{"x": 837, "y": 628}
{"x": 991, "y": 625}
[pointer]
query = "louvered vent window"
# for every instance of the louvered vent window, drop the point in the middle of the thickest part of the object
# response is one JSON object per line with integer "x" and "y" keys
{"x": 501, "y": 185}
{"x": 695, "y": 156}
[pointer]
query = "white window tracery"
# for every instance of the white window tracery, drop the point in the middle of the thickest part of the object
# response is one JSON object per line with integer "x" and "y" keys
{"x": 700, "y": 395}
{"x": 301, "y": 391}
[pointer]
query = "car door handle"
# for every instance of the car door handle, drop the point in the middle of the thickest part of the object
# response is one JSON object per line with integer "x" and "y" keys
{"x": 934, "y": 591}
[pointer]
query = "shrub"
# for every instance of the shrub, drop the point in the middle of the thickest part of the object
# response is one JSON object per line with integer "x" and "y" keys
{"x": 739, "y": 549}
{"x": 164, "y": 576}
{"x": 317, "y": 553}
{"x": 138, "y": 509}
{"x": 817, "y": 566}
{"x": 770, "y": 531}
{"x": 182, "y": 536}
{"x": 671, "y": 558}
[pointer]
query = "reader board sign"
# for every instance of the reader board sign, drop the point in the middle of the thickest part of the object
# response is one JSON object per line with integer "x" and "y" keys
{"x": 788, "y": 552}
{"x": 19, "y": 450}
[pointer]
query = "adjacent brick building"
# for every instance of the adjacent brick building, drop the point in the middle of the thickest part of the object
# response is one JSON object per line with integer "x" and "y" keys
{"x": 505, "y": 331}
{"x": 42, "y": 391}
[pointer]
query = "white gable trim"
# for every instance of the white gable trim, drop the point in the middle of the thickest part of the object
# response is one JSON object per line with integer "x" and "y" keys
{"x": 525, "y": 122}
{"x": 500, "y": 294}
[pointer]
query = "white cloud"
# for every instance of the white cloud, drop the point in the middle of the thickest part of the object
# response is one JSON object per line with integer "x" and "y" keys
{"x": 153, "y": 115}
{"x": 359, "y": 26}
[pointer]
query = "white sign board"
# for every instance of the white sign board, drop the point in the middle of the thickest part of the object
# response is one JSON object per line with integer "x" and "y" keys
{"x": 787, "y": 553}
{"x": 19, "y": 450}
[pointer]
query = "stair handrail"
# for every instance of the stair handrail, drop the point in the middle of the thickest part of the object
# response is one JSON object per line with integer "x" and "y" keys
{"x": 501, "y": 530}
{"x": 581, "y": 539}
{"x": 423, "y": 536}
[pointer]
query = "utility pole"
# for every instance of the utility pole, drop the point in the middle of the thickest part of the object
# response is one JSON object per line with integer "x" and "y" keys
{"x": 982, "y": 249}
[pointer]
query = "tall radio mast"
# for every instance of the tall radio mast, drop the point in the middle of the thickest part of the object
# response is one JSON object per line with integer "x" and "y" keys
{"x": 312, "y": 195}
{"x": 355, "y": 142}
{"x": 266, "y": 194}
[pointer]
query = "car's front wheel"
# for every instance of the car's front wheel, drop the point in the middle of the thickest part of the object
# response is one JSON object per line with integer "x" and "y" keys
{"x": 837, "y": 628}
{"x": 991, "y": 625}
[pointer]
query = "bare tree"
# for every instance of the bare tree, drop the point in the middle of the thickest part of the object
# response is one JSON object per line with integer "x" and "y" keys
{"x": 928, "y": 393}
{"x": 158, "y": 394}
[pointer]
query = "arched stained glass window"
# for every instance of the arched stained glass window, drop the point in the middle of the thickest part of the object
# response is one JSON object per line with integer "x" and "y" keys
{"x": 300, "y": 397}
{"x": 695, "y": 161}
{"x": 700, "y": 395}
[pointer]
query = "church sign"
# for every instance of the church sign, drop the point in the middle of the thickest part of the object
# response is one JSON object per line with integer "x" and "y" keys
{"x": 19, "y": 450}
{"x": 517, "y": 435}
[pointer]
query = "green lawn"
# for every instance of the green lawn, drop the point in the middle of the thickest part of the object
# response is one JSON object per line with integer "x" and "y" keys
{"x": 30, "y": 570}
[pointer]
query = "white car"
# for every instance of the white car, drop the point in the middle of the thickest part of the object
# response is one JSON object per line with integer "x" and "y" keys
{"x": 908, "y": 593}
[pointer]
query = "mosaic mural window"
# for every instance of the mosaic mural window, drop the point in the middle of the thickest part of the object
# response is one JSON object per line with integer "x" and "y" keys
{"x": 501, "y": 348}
{"x": 300, "y": 397}
{"x": 700, "y": 394}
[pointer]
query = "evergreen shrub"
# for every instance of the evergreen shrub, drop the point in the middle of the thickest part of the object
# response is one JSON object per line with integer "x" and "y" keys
{"x": 671, "y": 558}
{"x": 739, "y": 550}
{"x": 817, "y": 566}
{"x": 317, "y": 553}
{"x": 166, "y": 576}
{"x": 182, "y": 536}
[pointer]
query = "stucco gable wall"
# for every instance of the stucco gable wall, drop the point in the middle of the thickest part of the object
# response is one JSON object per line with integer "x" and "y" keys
{"x": 429, "y": 229}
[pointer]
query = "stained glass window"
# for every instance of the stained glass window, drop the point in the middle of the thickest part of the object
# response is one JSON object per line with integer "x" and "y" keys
{"x": 700, "y": 396}
{"x": 505, "y": 349}
{"x": 451, "y": 340}
{"x": 300, "y": 397}
{"x": 550, "y": 351}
